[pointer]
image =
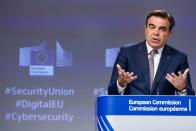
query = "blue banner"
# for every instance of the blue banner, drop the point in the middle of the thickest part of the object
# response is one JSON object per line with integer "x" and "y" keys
{"x": 147, "y": 105}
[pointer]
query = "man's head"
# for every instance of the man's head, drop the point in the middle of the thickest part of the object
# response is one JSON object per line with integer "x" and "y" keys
{"x": 158, "y": 28}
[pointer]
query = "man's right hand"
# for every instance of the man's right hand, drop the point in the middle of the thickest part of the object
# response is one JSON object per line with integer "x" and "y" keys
{"x": 124, "y": 77}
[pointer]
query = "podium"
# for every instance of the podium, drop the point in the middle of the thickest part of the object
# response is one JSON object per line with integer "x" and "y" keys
{"x": 146, "y": 113}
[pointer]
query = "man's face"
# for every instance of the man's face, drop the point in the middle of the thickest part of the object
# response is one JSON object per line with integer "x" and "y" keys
{"x": 157, "y": 32}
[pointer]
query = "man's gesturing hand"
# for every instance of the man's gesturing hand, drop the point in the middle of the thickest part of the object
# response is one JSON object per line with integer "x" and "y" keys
{"x": 179, "y": 82}
{"x": 124, "y": 77}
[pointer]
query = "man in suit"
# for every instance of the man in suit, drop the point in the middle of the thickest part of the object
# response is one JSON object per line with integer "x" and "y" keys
{"x": 166, "y": 74}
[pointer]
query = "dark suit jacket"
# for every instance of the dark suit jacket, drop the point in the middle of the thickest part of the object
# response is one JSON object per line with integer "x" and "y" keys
{"x": 134, "y": 58}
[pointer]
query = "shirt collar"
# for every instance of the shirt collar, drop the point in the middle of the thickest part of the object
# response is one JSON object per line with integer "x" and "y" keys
{"x": 149, "y": 48}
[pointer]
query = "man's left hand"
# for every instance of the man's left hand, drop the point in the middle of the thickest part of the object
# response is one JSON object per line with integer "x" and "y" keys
{"x": 178, "y": 81}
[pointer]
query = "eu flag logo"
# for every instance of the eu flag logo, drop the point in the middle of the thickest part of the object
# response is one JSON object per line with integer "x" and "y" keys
{"x": 42, "y": 58}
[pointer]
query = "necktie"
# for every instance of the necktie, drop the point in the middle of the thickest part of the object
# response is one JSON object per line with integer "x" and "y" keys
{"x": 151, "y": 66}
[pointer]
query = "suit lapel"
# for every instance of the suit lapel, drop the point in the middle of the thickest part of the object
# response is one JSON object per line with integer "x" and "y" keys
{"x": 163, "y": 65}
{"x": 142, "y": 61}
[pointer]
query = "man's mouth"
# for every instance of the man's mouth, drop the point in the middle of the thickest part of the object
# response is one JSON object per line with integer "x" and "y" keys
{"x": 155, "y": 40}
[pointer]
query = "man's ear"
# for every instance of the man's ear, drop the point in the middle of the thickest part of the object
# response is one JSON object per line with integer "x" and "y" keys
{"x": 170, "y": 34}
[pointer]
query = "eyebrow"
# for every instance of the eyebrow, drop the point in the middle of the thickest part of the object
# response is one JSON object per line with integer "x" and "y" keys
{"x": 159, "y": 27}
{"x": 151, "y": 24}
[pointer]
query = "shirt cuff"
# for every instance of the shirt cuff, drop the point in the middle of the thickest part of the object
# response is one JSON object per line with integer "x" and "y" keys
{"x": 182, "y": 93}
{"x": 120, "y": 88}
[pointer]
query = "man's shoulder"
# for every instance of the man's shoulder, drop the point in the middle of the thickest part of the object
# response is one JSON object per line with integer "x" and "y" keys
{"x": 133, "y": 46}
{"x": 175, "y": 50}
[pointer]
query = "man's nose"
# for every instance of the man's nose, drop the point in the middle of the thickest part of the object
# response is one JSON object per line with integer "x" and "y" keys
{"x": 156, "y": 32}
